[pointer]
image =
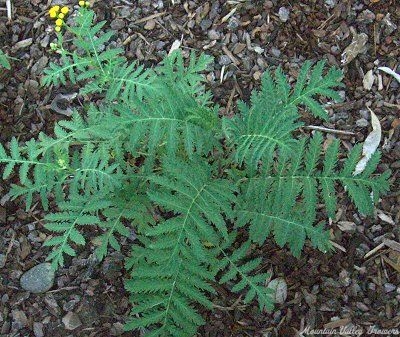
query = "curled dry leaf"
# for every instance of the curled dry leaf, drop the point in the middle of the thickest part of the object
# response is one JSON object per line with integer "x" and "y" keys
{"x": 279, "y": 287}
{"x": 371, "y": 143}
{"x": 368, "y": 80}
{"x": 175, "y": 46}
{"x": 389, "y": 71}
{"x": 61, "y": 100}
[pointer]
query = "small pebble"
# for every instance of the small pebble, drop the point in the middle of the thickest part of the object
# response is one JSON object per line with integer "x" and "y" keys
{"x": 19, "y": 319}
{"x": 205, "y": 24}
{"x": 117, "y": 24}
{"x": 150, "y": 25}
{"x": 2, "y": 260}
{"x": 366, "y": 16}
{"x": 38, "y": 329}
{"x": 22, "y": 44}
{"x": 275, "y": 52}
{"x": 233, "y": 23}
{"x": 213, "y": 34}
{"x": 224, "y": 60}
{"x": 362, "y": 123}
{"x": 283, "y": 14}
{"x": 71, "y": 321}
{"x": 362, "y": 306}
{"x": 389, "y": 287}
{"x": 330, "y": 3}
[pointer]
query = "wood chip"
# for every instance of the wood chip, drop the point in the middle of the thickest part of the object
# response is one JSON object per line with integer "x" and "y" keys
{"x": 392, "y": 244}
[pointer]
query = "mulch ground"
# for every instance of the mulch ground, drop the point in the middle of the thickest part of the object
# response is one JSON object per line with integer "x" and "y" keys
{"x": 354, "y": 285}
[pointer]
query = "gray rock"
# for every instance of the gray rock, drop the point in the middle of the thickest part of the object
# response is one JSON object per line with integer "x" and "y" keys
{"x": 38, "y": 279}
{"x": 233, "y": 23}
{"x": 366, "y": 16}
{"x": 283, "y": 14}
{"x": 71, "y": 321}
{"x": 117, "y": 24}
{"x": 362, "y": 122}
{"x": 38, "y": 329}
{"x": 275, "y": 52}
{"x": 19, "y": 320}
{"x": 213, "y": 34}
{"x": 339, "y": 115}
{"x": 389, "y": 287}
{"x": 39, "y": 66}
{"x": 330, "y": 3}
{"x": 224, "y": 60}
{"x": 2, "y": 260}
{"x": 205, "y": 24}
{"x": 125, "y": 12}
{"x": 390, "y": 27}
{"x": 365, "y": 114}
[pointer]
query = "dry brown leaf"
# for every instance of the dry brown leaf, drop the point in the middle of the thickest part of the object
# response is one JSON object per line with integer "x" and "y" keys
{"x": 368, "y": 80}
{"x": 371, "y": 143}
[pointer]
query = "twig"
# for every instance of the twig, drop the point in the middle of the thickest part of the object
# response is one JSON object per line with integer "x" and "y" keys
{"x": 336, "y": 245}
{"x": 231, "y": 307}
{"x": 374, "y": 250}
{"x": 62, "y": 289}
{"x": 150, "y": 17}
{"x": 228, "y": 106}
{"x": 10, "y": 245}
{"x": 321, "y": 128}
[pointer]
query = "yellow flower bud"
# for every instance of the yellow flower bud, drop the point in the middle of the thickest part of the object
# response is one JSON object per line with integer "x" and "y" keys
{"x": 87, "y": 3}
{"x": 57, "y": 29}
{"x": 52, "y": 14}
{"x": 81, "y": 3}
{"x": 56, "y": 8}
{"x": 61, "y": 16}
{"x": 59, "y": 22}
{"x": 65, "y": 10}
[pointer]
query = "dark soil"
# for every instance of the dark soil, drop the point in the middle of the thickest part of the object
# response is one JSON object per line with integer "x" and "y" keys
{"x": 343, "y": 289}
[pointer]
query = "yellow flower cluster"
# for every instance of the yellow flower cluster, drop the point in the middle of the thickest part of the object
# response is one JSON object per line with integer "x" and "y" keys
{"x": 58, "y": 14}
{"x": 84, "y": 3}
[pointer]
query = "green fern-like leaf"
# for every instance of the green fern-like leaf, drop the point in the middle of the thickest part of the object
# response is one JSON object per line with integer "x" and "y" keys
{"x": 284, "y": 198}
{"x": 311, "y": 82}
{"x": 267, "y": 125}
{"x": 123, "y": 210}
{"x": 175, "y": 250}
{"x": 80, "y": 210}
{"x": 243, "y": 274}
{"x": 262, "y": 128}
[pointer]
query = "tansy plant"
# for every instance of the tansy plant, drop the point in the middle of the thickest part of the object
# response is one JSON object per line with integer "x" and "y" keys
{"x": 202, "y": 192}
